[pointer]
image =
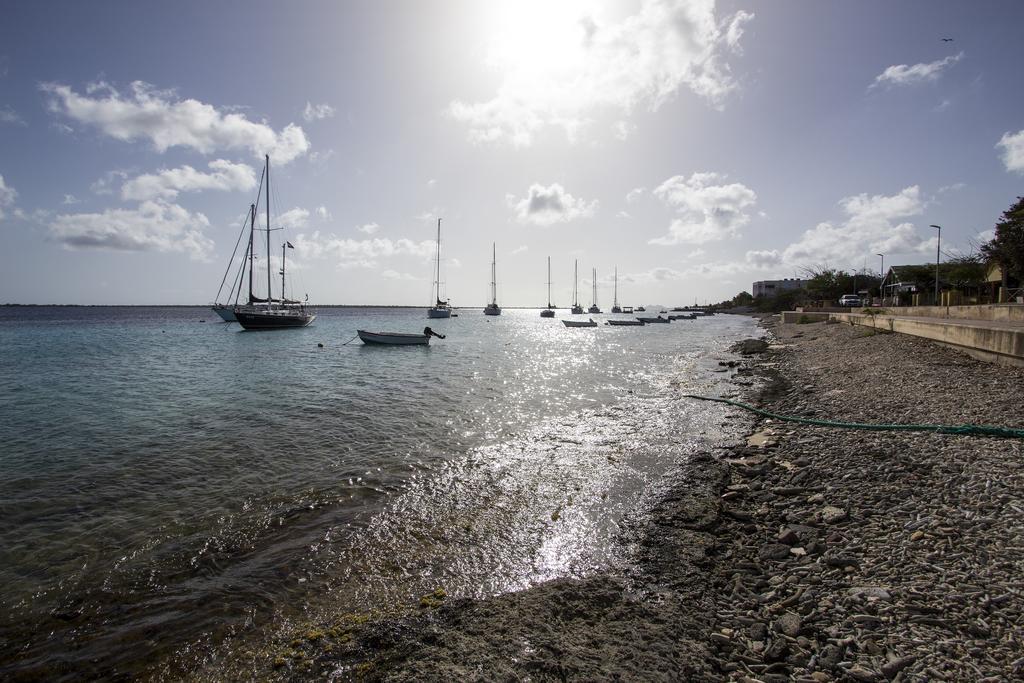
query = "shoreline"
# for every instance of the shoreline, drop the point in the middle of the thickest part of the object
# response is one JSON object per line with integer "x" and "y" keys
{"x": 807, "y": 553}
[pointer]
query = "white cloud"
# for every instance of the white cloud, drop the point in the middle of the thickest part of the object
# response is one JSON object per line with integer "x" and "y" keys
{"x": 659, "y": 274}
{"x": 873, "y": 225}
{"x": 634, "y": 195}
{"x": 709, "y": 210}
{"x": 901, "y": 74}
{"x": 104, "y": 185}
{"x": 432, "y": 182}
{"x": 167, "y": 183}
{"x": 362, "y": 253}
{"x": 768, "y": 258}
{"x": 316, "y": 112}
{"x": 293, "y": 218}
{"x": 153, "y": 226}
{"x": 562, "y": 67}
{"x": 549, "y": 205}
{"x": 395, "y": 275}
{"x": 369, "y": 228}
{"x": 623, "y": 129}
{"x": 734, "y": 32}
{"x": 9, "y": 116}
{"x": 520, "y": 249}
{"x": 70, "y": 199}
{"x": 7, "y": 196}
{"x": 1013, "y": 151}
{"x": 322, "y": 213}
{"x": 166, "y": 121}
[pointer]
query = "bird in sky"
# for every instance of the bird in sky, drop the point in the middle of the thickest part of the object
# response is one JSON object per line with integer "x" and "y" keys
{"x": 947, "y": 40}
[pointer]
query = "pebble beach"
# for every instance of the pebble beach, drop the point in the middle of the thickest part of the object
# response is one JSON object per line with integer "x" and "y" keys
{"x": 801, "y": 553}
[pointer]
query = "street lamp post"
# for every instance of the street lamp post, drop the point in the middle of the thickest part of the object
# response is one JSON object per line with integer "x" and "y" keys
{"x": 938, "y": 244}
{"x": 881, "y": 289}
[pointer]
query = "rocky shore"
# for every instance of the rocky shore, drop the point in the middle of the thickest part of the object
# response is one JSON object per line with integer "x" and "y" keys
{"x": 808, "y": 553}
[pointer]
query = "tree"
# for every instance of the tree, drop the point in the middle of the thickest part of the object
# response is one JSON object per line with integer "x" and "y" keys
{"x": 1007, "y": 247}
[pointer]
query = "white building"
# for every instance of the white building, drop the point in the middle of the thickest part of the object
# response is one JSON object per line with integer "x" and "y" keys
{"x": 773, "y": 287}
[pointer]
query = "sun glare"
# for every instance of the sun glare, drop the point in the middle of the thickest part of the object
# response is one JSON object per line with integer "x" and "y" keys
{"x": 539, "y": 36}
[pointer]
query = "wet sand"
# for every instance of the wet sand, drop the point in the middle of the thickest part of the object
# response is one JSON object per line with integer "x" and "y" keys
{"x": 811, "y": 554}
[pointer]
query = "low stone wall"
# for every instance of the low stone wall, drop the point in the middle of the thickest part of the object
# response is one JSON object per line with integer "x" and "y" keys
{"x": 799, "y": 316}
{"x": 993, "y": 312}
{"x": 986, "y": 342}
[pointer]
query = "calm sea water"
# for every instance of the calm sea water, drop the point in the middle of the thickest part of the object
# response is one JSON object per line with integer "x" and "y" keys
{"x": 167, "y": 483}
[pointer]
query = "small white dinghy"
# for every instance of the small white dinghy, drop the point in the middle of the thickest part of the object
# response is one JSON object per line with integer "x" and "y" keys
{"x": 579, "y": 323}
{"x": 398, "y": 338}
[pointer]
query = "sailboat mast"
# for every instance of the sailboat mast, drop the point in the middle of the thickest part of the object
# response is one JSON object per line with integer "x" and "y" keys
{"x": 269, "y": 296}
{"x": 549, "y": 282}
{"x": 615, "y": 303}
{"x": 593, "y": 282}
{"x": 575, "y": 282}
{"x": 252, "y": 230}
{"x": 437, "y": 266}
{"x": 494, "y": 273}
{"x": 283, "y": 247}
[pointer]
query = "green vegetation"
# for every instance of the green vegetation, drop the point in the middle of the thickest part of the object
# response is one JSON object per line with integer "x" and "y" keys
{"x": 1007, "y": 247}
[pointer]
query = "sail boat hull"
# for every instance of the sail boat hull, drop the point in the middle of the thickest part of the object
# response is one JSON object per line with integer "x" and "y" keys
{"x": 226, "y": 313}
{"x": 273, "y": 319}
{"x": 439, "y": 312}
{"x": 492, "y": 309}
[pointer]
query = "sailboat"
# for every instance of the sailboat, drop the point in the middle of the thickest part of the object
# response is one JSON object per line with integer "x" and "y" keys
{"x": 576, "y": 308}
{"x": 548, "y": 312}
{"x": 270, "y": 313}
{"x": 493, "y": 308}
{"x": 593, "y": 297}
{"x": 226, "y": 311}
{"x": 440, "y": 309}
{"x": 615, "y": 301}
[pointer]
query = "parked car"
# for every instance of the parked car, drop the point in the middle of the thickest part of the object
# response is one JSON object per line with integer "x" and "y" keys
{"x": 849, "y": 300}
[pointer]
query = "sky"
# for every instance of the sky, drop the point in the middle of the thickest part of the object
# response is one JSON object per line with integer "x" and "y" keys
{"x": 694, "y": 146}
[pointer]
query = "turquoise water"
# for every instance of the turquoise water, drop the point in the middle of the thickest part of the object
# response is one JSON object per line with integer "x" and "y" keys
{"x": 167, "y": 482}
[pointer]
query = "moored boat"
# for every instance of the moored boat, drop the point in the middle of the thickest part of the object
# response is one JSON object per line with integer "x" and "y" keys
{"x": 576, "y": 308}
{"x": 593, "y": 297}
{"x": 615, "y": 297}
{"x": 393, "y": 338}
{"x": 441, "y": 308}
{"x": 579, "y": 323}
{"x": 270, "y": 313}
{"x": 548, "y": 312}
{"x": 659, "y": 319}
{"x": 493, "y": 308}
{"x": 626, "y": 323}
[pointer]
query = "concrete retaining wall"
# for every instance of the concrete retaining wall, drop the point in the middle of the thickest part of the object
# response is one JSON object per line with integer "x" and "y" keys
{"x": 988, "y": 341}
{"x": 993, "y": 312}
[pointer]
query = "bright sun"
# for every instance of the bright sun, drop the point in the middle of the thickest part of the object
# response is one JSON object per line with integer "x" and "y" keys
{"x": 535, "y": 37}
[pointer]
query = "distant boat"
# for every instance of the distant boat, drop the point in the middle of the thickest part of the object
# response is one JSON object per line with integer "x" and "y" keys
{"x": 579, "y": 323}
{"x": 270, "y": 313}
{"x": 686, "y": 316}
{"x": 440, "y": 309}
{"x": 393, "y": 338}
{"x": 576, "y": 308}
{"x": 493, "y": 308}
{"x": 640, "y": 309}
{"x": 593, "y": 297}
{"x": 548, "y": 312}
{"x": 659, "y": 319}
{"x": 615, "y": 298}
{"x": 626, "y": 323}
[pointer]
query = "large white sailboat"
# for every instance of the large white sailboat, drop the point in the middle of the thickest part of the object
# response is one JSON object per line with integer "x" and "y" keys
{"x": 576, "y": 308}
{"x": 493, "y": 308}
{"x": 440, "y": 308}
{"x": 270, "y": 313}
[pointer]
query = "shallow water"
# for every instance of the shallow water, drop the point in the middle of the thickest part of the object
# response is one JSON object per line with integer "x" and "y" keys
{"x": 166, "y": 481}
